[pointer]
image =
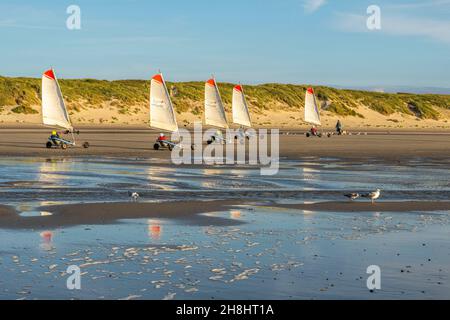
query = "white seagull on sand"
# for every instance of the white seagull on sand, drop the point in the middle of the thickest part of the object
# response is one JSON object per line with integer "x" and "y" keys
{"x": 134, "y": 196}
{"x": 352, "y": 196}
{"x": 373, "y": 195}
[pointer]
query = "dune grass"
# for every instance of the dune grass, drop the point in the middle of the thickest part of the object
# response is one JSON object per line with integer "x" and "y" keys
{"x": 24, "y": 110}
{"x": 24, "y": 93}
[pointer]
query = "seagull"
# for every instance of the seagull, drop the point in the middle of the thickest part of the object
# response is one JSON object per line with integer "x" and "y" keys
{"x": 352, "y": 196}
{"x": 134, "y": 196}
{"x": 373, "y": 195}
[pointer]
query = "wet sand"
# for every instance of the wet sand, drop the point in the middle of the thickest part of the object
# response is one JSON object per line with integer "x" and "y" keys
{"x": 400, "y": 206}
{"x": 138, "y": 142}
{"x": 6, "y": 212}
{"x": 188, "y": 213}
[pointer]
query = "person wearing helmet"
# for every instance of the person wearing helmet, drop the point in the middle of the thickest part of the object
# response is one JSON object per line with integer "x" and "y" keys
{"x": 162, "y": 138}
{"x": 55, "y": 135}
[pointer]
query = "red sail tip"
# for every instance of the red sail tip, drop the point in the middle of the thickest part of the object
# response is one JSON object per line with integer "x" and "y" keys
{"x": 158, "y": 78}
{"x": 211, "y": 82}
{"x": 49, "y": 74}
{"x": 238, "y": 88}
{"x": 311, "y": 90}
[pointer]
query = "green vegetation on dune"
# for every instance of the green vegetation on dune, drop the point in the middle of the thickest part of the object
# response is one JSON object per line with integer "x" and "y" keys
{"x": 23, "y": 93}
{"x": 422, "y": 110}
{"x": 24, "y": 110}
{"x": 341, "y": 109}
{"x": 19, "y": 91}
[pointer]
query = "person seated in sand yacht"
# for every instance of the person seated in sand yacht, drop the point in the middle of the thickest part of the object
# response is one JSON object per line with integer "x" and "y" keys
{"x": 162, "y": 142}
{"x": 339, "y": 128}
{"x": 162, "y": 138}
{"x": 314, "y": 131}
{"x": 54, "y": 136}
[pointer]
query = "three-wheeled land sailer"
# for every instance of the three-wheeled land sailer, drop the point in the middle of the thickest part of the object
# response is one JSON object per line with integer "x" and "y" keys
{"x": 312, "y": 114}
{"x": 54, "y": 113}
{"x": 55, "y": 140}
{"x": 164, "y": 144}
{"x": 215, "y": 112}
{"x": 241, "y": 115}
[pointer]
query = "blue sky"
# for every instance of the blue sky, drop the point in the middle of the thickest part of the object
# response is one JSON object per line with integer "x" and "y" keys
{"x": 249, "y": 41}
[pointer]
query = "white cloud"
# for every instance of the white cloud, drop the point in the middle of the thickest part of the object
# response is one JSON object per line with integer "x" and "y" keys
{"x": 437, "y": 30}
{"x": 420, "y": 4}
{"x": 311, "y": 6}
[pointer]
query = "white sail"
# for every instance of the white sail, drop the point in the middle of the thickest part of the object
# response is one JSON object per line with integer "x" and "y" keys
{"x": 241, "y": 115}
{"x": 54, "y": 112}
{"x": 162, "y": 114}
{"x": 214, "y": 111}
{"x": 312, "y": 114}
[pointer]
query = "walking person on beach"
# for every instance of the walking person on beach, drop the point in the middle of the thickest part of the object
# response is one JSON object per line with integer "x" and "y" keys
{"x": 339, "y": 127}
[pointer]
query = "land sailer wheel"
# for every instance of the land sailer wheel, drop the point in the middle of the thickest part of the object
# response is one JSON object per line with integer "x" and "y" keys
{"x": 63, "y": 146}
{"x": 156, "y": 146}
{"x": 86, "y": 145}
{"x": 170, "y": 147}
{"x": 49, "y": 145}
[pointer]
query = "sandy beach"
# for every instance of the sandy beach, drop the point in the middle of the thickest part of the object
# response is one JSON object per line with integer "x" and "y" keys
{"x": 225, "y": 231}
{"x": 127, "y": 142}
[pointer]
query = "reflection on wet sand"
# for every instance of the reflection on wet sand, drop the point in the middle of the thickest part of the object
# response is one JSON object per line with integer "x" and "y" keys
{"x": 155, "y": 229}
{"x": 46, "y": 241}
{"x": 235, "y": 214}
{"x": 54, "y": 171}
{"x": 162, "y": 178}
{"x": 212, "y": 177}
